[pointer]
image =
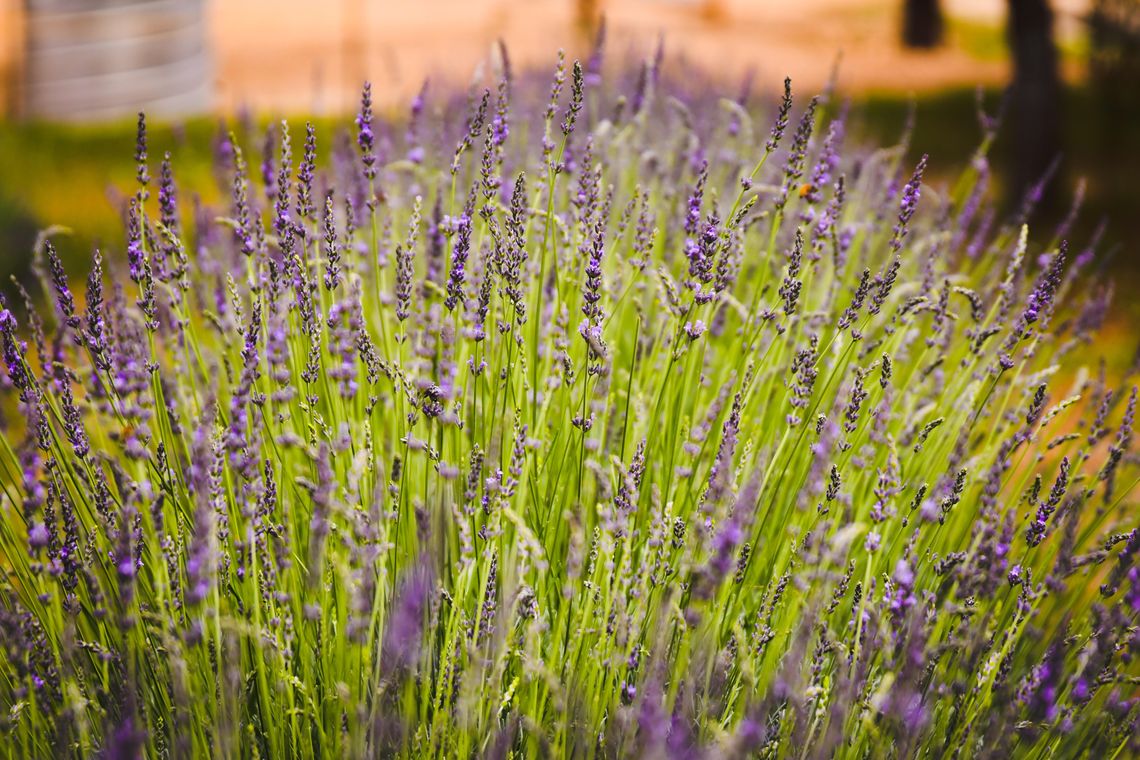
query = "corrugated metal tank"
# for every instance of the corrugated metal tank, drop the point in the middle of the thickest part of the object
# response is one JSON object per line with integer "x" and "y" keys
{"x": 104, "y": 59}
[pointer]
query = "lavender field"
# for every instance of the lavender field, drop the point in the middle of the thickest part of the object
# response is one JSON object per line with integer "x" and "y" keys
{"x": 586, "y": 413}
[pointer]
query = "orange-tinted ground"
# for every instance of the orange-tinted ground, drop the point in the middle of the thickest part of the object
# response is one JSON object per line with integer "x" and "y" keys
{"x": 293, "y": 56}
{"x": 310, "y": 55}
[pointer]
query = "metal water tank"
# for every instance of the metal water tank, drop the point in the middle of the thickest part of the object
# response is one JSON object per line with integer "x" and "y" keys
{"x": 105, "y": 59}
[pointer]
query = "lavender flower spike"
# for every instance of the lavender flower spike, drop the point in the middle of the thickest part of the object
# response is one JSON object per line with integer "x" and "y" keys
{"x": 908, "y": 204}
{"x": 365, "y": 138}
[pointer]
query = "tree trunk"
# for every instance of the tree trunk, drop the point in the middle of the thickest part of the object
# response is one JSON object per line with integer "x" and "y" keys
{"x": 922, "y": 23}
{"x": 586, "y": 15}
{"x": 1035, "y": 95}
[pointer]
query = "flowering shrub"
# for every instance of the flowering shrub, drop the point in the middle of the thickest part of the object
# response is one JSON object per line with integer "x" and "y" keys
{"x": 618, "y": 420}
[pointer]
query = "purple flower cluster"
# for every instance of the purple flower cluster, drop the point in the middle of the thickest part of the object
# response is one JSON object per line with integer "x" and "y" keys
{"x": 557, "y": 429}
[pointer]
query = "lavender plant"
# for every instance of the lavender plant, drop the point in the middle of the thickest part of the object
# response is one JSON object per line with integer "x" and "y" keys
{"x": 594, "y": 419}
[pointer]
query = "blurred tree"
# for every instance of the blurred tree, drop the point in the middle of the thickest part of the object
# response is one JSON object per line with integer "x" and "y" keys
{"x": 922, "y": 23}
{"x": 587, "y": 12}
{"x": 1035, "y": 94}
{"x": 1114, "y": 51}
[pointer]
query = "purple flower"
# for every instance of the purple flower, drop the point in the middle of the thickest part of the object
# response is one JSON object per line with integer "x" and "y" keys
{"x": 628, "y": 693}
{"x": 803, "y": 372}
{"x": 594, "y": 62}
{"x": 1122, "y": 443}
{"x": 332, "y": 250}
{"x": 404, "y": 629}
{"x": 63, "y": 297}
{"x": 305, "y": 208}
{"x": 127, "y": 742}
{"x": 902, "y": 596}
{"x": 38, "y": 537}
{"x": 13, "y": 349}
{"x": 645, "y": 79}
{"x": 404, "y": 272}
{"x": 721, "y": 471}
{"x": 321, "y": 493}
{"x": 459, "y": 252}
{"x": 268, "y": 170}
{"x": 628, "y": 492}
{"x": 1040, "y": 690}
{"x": 95, "y": 335}
{"x": 576, "y": 91}
{"x": 500, "y": 123}
{"x": 511, "y": 250}
{"x": 474, "y": 129}
{"x": 790, "y": 289}
{"x": 1124, "y": 564}
{"x": 828, "y": 160}
{"x": 825, "y": 226}
{"x": 1041, "y": 299}
{"x": 883, "y": 286}
{"x": 1035, "y": 533}
{"x": 702, "y": 257}
{"x": 653, "y": 725}
{"x": 203, "y": 483}
{"x": 344, "y": 325}
{"x": 908, "y": 204}
{"x": 415, "y": 150}
{"x": 168, "y": 196}
{"x": 243, "y": 231}
{"x": 873, "y": 541}
{"x": 854, "y": 402}
{"x": 236, "y": 440}
{"x": 695, "y": 329}
{"x": 365, "y": 138}
{"x": 72, "y": 418}
{"x": 847, "y": 318}
{"x": 142, "y": 174}
{"x": 781, "y": 118}
{"x": 282, "y": 222}
{"x": 797, "y": 154}
{"x": 1132, "y": 598}
{"x": 971, "y": 205}
{"x": 724, "y": 547}
{"x": 592, "y": 295}
{"x": 135, "y": 253}
{"x": 1035, "y": 192}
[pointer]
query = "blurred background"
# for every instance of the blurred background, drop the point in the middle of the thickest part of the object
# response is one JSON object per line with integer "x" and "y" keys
{"x": 74, "y": 72}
